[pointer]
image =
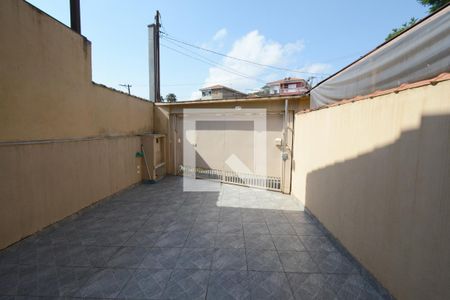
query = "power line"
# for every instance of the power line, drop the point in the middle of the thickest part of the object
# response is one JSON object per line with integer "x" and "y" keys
{"x": 214, "y": 64}
{"x": 166, "y": 36}
{"x": 199, "y": 83}
{"x": 231, "y": 70}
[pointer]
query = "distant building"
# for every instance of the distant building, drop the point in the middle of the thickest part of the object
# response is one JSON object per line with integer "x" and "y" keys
{"x": 220, "y": 92}
{"x": 288, "y": 86}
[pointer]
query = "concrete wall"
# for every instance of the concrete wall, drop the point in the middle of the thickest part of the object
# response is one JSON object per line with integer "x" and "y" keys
{"x": 45, "y": 83}
{"x": 376, "y": 173}
{"x": 65, "y": 142}
{"x": 43, "y": 183}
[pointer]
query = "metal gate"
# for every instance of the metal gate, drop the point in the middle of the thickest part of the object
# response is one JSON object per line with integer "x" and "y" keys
{"x": 251, "y": 180}
{"x": 214, "y": 143}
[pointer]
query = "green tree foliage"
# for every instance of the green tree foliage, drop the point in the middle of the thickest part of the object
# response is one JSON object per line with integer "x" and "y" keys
{"x": 397, "y": 31}
{"x": 433, "y": 5}
{"x": 171, "y": 97}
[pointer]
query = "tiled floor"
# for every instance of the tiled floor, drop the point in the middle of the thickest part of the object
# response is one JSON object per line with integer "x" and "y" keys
{"x": 158, "y": 242}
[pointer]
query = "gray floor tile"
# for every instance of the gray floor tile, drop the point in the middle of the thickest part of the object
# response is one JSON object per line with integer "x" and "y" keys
{"x": 9, "y": 279}
{"x": 269, "y": 285}
{"x": 281, "y": 228}
{"x": 298, "y": 217}
{"x": 333, "y": 262}
{"x": 230, "y": 241}
{"x": 179, "y": 225}
{"x": 255, "y": 228}
{"x": 311, "y": 286}
{"x": 263, "y": 260}
{"x": 156, "y": 241}
{"x": 187, "y": 284}
{"x": 307, "y": 229}
{"x": 105, "y": 238}
{"x": 105, "y": 283}
{"x": 10, "y": 255}
{"x": 161, "y": 258}
{"x": 275, "y": 217}
{"x": 71, "y": 279}
{"x": 298, "y": 261}
{"x": 317, "y": 243}
{"x": 287, "y": 243}
{"x": 230, "y": 215}
{"x": 259, "y": 241}
{"x": 354, "y": 287}
{"x": 200, "y": 240}
{"x": 228, "y": 285}
{"x": 195, "y": 258}
{"x": 252, "y": 216}
{"x": 49, "y": 281}
{"x": 230, "y": 228}
{"x": 208, "y": 216}
{"x": 143, "y": 239}
{"x": 128, "y": 257}
{"x": 155, "y": 225}
{"x": 205, "y": 227}
{"x": 172, "y": 239}
{"x": 229, "y": 259}
{"x": 146, "y": 284}
{"x": 96, "y": 256}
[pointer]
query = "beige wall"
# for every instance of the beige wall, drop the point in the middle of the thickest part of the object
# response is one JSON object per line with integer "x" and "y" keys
{"x": 43, "y": 183}
{"x": 65, "y": 142}
{"x": 45, "y": 83}
{"x": 376, "y": 173}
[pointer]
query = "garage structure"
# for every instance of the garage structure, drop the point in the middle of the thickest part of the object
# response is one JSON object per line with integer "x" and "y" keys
{"x": 224, "y": 139}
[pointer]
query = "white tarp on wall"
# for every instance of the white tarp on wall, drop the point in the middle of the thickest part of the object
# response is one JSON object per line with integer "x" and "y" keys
{"x": 422, "y": 52}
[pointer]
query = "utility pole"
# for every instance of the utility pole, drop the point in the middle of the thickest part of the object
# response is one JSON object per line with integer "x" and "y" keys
{"x": 311, "y": 81}
{"x": 157, "y": 68}
{"x": 127, "y": 86}
{"x": 153, "y": 59}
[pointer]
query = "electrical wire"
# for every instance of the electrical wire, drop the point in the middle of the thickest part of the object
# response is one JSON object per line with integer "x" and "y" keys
{"x": 167, "y": 36}
{"x": 212, "y": 61}
{"x": 214, "y": 64}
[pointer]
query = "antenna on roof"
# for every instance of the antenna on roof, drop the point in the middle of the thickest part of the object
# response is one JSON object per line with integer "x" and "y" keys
{"x": 127, "y": 86}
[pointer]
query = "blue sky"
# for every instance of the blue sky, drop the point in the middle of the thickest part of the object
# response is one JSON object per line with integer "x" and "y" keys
{"x": 305, "y": 36}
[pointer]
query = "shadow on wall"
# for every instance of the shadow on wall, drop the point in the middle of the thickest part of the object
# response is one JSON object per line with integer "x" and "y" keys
{"x": 391, "y": 209}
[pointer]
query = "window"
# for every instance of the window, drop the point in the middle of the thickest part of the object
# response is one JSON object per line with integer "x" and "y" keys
{"x": 206, "y": 93}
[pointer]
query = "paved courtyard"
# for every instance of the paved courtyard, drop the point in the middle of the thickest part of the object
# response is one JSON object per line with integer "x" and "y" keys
{"x": 155, "y": 241}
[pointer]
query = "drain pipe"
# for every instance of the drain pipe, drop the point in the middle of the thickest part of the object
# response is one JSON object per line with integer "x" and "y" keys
{"x": 284, "y": 154}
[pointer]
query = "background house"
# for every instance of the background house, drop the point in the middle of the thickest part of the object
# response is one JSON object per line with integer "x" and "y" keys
{"x": 288, "y": 86}
{"x": 220, "y": 92}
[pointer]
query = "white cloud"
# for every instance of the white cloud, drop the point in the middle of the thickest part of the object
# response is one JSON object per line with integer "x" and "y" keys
{"x": 253, "y": 47}
{"x": 195, "y": 95}
{"x": 257, "y": 48}
{"x": 316, "y": 68}
{"x": 217, "y": 40}
{"x": 220, "y": 35}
